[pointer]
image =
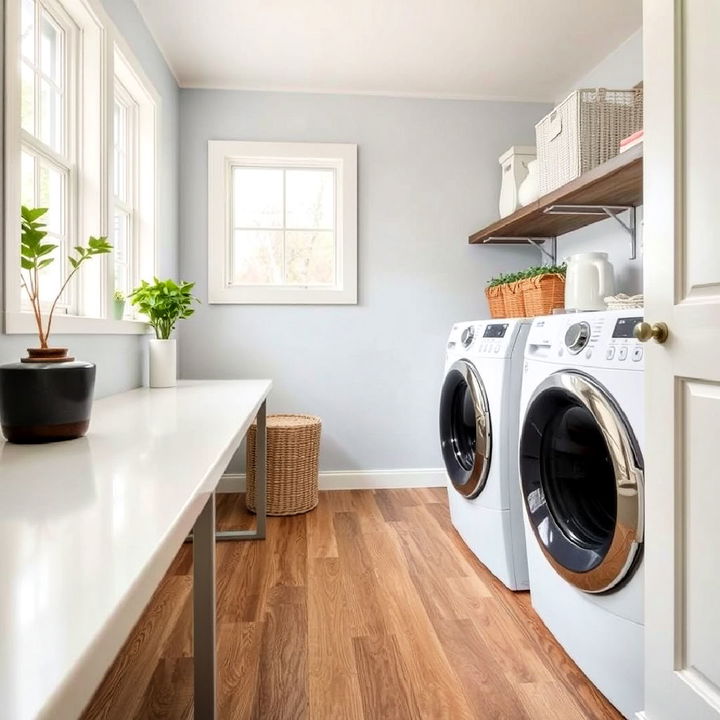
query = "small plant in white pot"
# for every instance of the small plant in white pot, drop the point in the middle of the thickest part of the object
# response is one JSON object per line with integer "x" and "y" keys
{"x": 163, "y": 302}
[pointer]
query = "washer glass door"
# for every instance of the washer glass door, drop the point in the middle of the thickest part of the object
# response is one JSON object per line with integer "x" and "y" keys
{"x": 582, "y": 482}
{"x": 465, "y": 433}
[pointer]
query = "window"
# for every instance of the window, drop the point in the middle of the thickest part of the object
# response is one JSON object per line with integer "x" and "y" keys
{"x": 133, "y": 185}
{"x": 47, "y": 147}
{"x": 81, "y": 146}
{"x": 282, "y": 222}
{"x": 124, "y": 110}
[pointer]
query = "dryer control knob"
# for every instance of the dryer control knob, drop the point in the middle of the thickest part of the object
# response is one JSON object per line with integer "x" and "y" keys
{"x": 468, "y": 335}
{"x": 577, "y": 337}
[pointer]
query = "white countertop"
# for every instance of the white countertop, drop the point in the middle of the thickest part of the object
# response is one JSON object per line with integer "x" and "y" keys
{"x": 88, "y": 527}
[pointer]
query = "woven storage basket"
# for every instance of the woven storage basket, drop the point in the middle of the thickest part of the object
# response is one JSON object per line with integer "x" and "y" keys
{"x": 496, "y": 301}
{"x": 543, "y": 294}
{"x": 293, "y": 449}
{"x": 514, "y": 300}
{"x": 584, "y": 131}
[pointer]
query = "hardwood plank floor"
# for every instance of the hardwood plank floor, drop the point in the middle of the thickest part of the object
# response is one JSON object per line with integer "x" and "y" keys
{"x": 368, "y": 608}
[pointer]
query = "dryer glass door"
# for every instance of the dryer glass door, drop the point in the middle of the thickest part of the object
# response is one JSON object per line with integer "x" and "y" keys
{"x": 582, "y": 482}
{"x": 465, "y": 433}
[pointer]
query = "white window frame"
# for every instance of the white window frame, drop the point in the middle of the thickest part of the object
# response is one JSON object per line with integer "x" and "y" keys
{"x": 64, "y": 161}
{"x": 143, "y": 190}
{"x": 93, "y": 197}
{"x": 126, "y": 206}
{"x": 223, "y": 156}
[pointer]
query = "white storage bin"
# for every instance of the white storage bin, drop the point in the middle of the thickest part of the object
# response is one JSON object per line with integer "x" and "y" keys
{"x": 514, "y": 163}
{"x": 584, "y": 131}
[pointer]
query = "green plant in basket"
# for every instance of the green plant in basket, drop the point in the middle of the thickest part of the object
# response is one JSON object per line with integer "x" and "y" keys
{"x": 496, "y": 281}
{"x": 545, "y": 270}
{"x": 544, "y": 289}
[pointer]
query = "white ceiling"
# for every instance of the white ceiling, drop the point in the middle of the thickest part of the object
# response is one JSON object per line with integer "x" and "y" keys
{"x": 504, "y": 49}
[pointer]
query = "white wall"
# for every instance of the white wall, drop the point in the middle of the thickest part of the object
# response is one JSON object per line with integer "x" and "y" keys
{"x": 620, "y": 69}
{"x": 428, "y": 177}
{"x": 120, "y": 359}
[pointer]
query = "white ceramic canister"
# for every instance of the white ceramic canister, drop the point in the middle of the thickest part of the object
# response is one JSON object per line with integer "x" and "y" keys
{"x": 589, "y": 279}
{"x": 163, "y": 363}
{"x": 529, "y": 190}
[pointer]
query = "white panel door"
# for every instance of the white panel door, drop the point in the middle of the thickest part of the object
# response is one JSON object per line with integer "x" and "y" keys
{"x": 682, "y": 289}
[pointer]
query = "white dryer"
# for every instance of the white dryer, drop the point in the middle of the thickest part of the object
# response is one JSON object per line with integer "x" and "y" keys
{"x": 478, "y": 433}
{"x": 581, "y": 470}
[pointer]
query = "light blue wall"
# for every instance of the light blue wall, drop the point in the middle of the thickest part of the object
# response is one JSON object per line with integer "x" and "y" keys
{"x": 622, "y": 68}
{"x": 129, "y": 22}
{"x": 120, "y": 359}
{"x": 428, "y": 177}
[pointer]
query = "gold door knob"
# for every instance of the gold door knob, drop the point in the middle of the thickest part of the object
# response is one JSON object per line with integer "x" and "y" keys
{"x": 645, "y": 331}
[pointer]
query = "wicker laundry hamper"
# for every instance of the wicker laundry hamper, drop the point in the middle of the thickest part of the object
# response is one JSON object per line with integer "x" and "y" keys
{"x": 293, "y": 449}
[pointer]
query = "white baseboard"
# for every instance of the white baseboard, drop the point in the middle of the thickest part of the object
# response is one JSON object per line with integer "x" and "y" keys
{"x": 357, "y": 479}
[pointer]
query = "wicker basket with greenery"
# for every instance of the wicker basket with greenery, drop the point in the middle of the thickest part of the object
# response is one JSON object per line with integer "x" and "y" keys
{"x": 514, "y": 296}
{"x": 543, "y": 289}
{"x": 495, "y": 293}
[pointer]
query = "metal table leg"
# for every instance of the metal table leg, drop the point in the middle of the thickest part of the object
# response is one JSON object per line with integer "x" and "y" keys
{"x": 260, "y": 486}
{"x": 204, "y": 612}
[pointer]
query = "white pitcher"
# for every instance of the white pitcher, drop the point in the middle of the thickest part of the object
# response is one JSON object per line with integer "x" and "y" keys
{"x": 590, "y": 278}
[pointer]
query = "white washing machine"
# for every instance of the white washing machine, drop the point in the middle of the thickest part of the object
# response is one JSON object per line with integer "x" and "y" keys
{"x": 478, "y": 433}
{"x": 581, "y": 471}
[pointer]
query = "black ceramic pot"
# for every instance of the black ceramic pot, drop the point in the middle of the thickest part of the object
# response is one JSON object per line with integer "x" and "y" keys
{"x": 46, "y": 401}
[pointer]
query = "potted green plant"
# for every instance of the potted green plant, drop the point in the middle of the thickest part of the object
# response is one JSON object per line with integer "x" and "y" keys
{"x": 47, "y": 395}
{"x": 163, "y": 302}
{"x": 118, "y": 304}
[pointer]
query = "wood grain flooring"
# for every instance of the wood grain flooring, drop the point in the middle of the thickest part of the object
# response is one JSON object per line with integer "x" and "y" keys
{"x": 368, "y": 608}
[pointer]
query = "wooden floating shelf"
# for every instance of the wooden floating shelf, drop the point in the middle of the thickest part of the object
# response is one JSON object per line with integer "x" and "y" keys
{"x": 615, "y": 183}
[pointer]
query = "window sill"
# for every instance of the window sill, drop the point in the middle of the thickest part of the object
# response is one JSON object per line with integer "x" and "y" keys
{"x": 23, "y": 323}
{"x": 281, "y": 295}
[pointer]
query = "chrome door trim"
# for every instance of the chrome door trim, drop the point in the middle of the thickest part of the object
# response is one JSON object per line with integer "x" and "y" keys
{"x": 629, "y": 482}
{"x": 477, "y": 478}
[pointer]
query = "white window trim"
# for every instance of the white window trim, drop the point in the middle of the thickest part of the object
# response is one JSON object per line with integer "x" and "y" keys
{"x": 146, "y": 191}
{"x": 65, "y": 161}
{"x": 128, "y": 206}
{"x": 23, "y": 323}
{"x": 222, "y": 156}
{"x": 96, "y": 280}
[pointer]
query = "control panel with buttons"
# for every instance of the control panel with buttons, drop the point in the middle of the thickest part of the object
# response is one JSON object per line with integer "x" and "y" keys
{"x": 485, "y": 338}
{"x": 601, "y": 339}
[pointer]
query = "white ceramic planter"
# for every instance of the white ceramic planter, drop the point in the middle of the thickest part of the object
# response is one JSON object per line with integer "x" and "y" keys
{"x": 163, "y": 363}
{"x": 529, "y": 190}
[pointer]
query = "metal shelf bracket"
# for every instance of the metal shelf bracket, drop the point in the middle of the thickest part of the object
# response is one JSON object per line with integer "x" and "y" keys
{"x": 537, "y": 242}
{"x": 612, "y": 211}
